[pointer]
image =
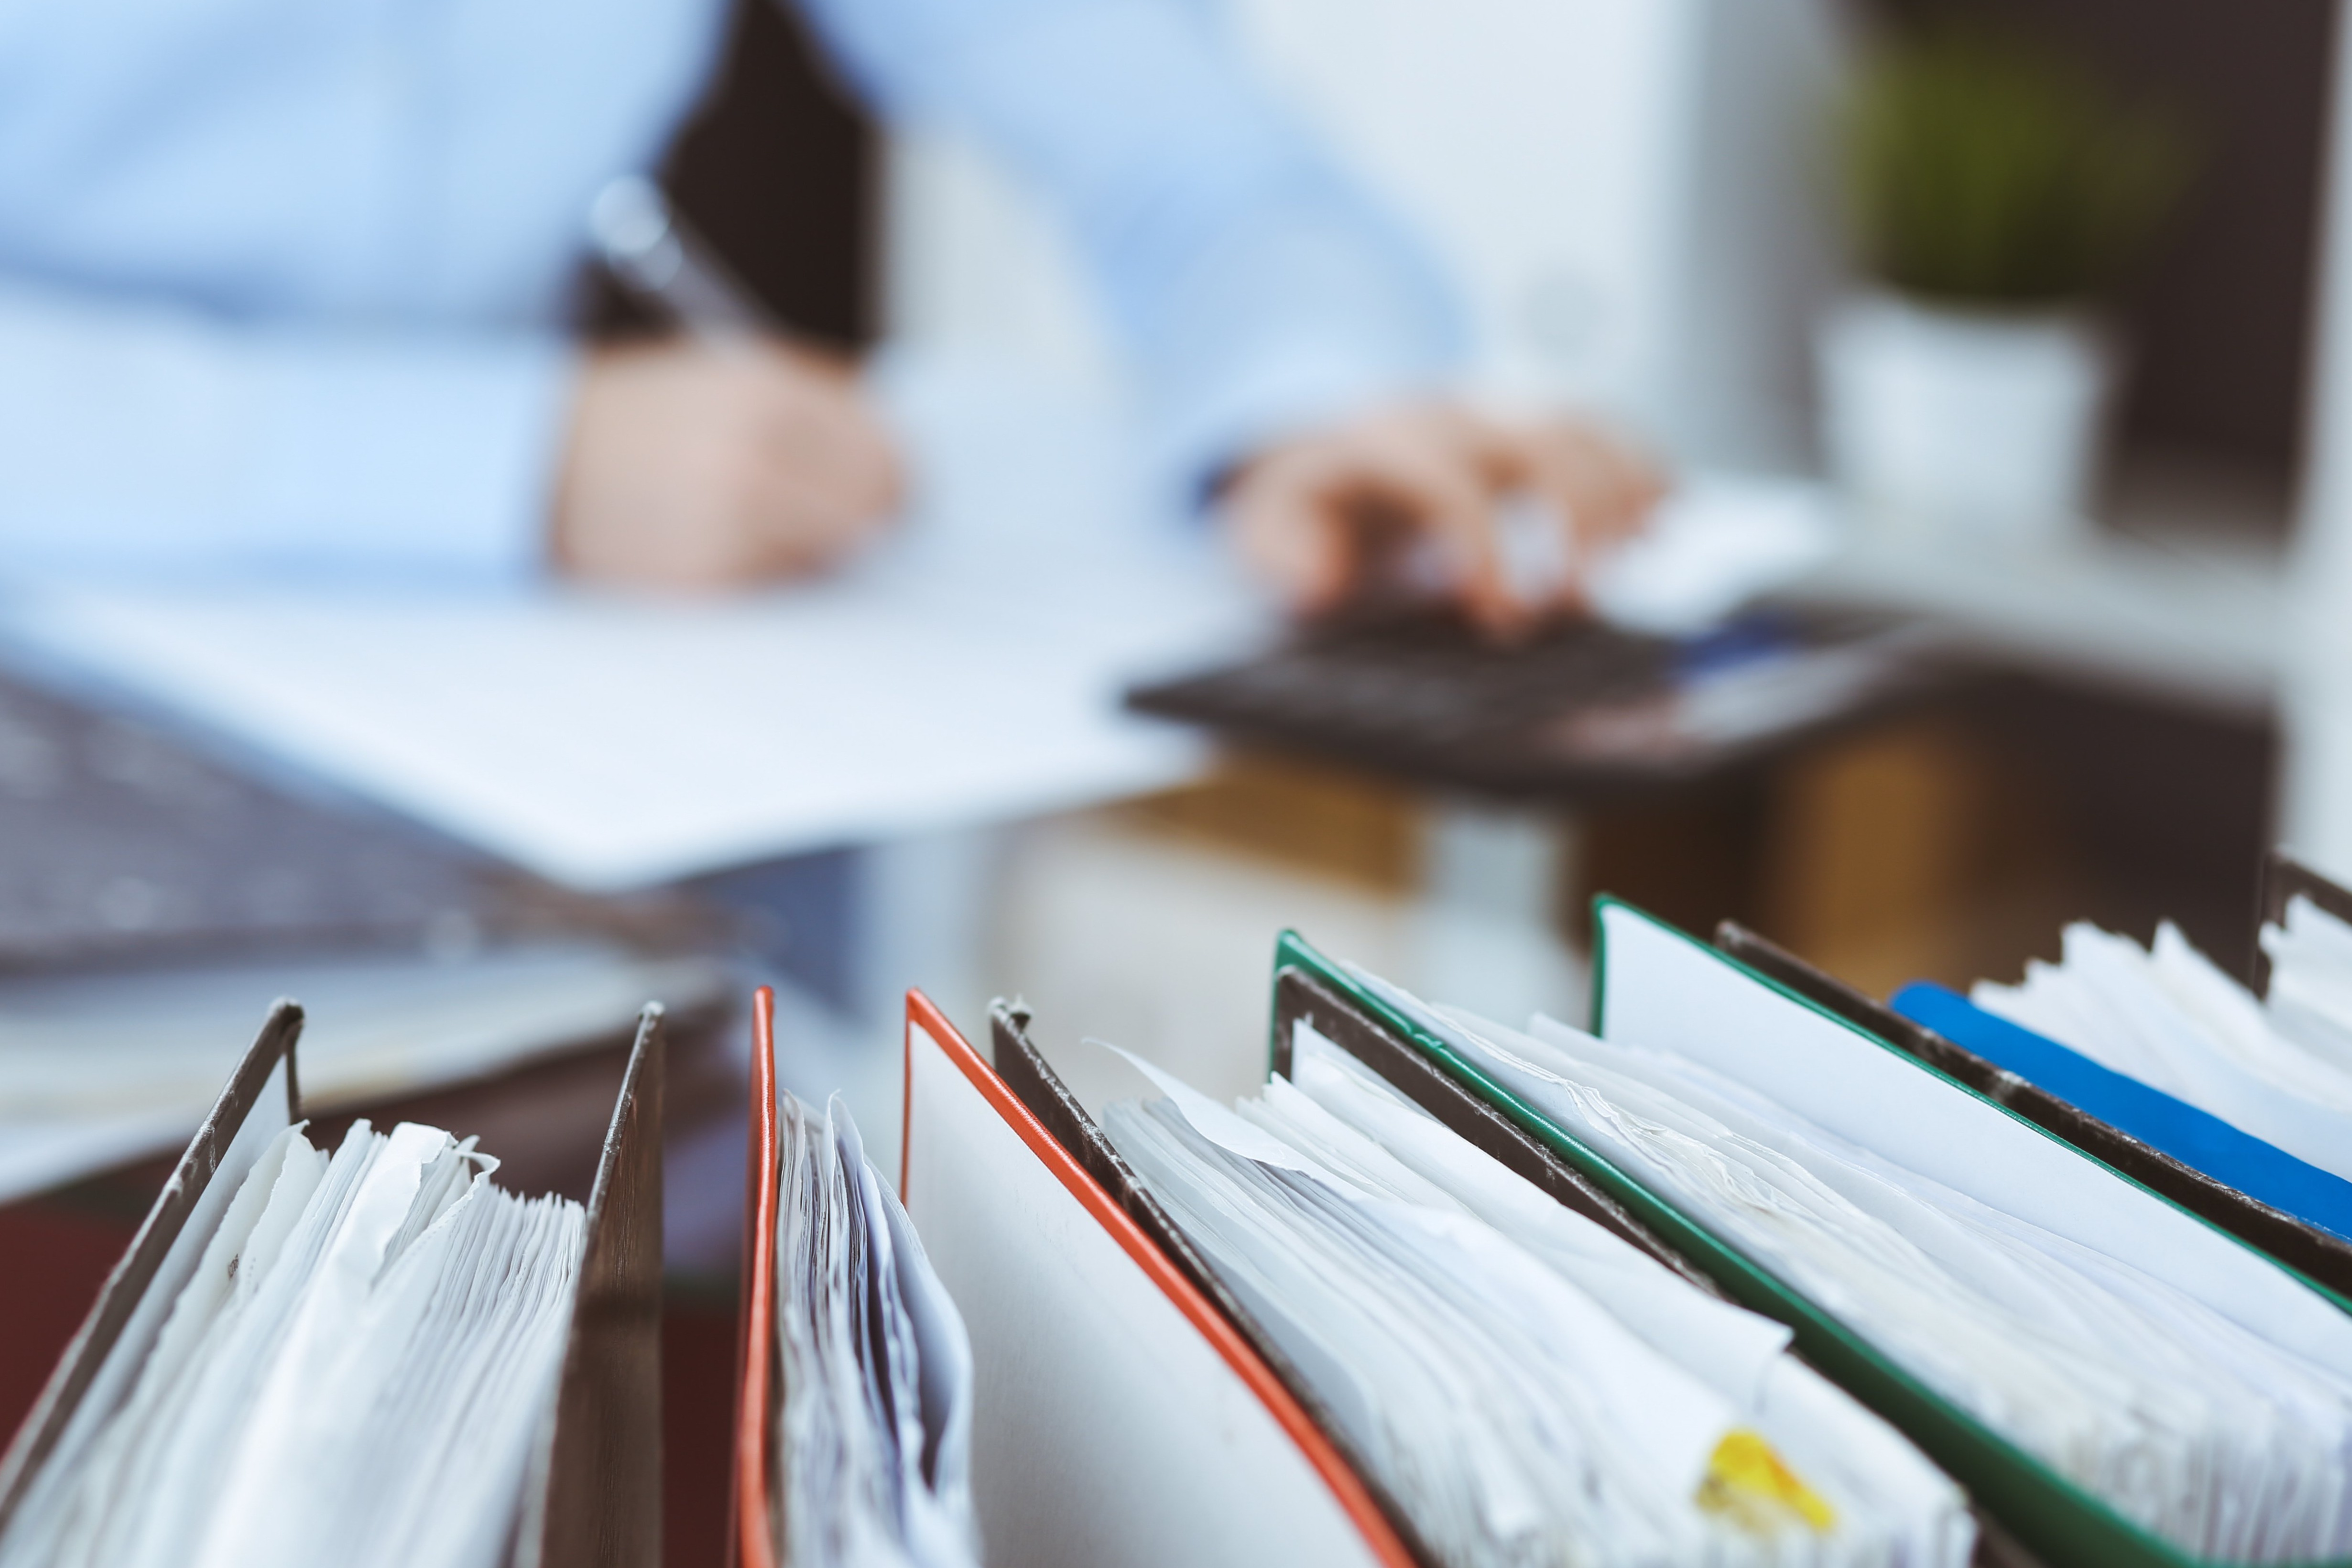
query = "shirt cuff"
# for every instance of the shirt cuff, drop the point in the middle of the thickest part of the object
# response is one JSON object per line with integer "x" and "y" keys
{"x": 418, "y": 457}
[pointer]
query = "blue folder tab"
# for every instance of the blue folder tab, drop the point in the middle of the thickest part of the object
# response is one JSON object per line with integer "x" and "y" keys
{"x": 2195, "y": 1138}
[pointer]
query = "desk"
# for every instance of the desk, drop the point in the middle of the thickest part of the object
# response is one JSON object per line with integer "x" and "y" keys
{"x": 2194, "y": 614}
{"x": 964, "y": 675}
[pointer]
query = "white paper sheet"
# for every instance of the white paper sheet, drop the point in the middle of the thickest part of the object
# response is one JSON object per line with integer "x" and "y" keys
{"x": 1504, "y": 1375}
{"x": 1716, "y": 542}
{"x": 1667, "y": 993}
{"x": 355, "y": 1372}
{"x": 608, "y": 743}
{"x": 1106, "y": 1428}
{"x": 969, "y": 670}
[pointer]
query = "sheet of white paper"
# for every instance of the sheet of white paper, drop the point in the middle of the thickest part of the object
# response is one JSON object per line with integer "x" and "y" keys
{"x": 607, "y": 743}
{"x": 969, "y": 670}
{"x": 1665, "y": 992}
{"x": 1228, "y": 1130}
{"x": 1107, "y": 1427}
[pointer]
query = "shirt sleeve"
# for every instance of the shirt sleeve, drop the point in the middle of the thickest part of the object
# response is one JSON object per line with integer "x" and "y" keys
{"x": 1257, "y": 288}
{"x": 143, "y": 437}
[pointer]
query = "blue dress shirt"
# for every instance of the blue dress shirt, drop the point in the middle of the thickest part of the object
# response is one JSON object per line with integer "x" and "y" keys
{"x": 284, "y": 283}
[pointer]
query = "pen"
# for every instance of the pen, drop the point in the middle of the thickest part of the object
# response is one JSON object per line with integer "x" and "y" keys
{"x": 663, "y": 263}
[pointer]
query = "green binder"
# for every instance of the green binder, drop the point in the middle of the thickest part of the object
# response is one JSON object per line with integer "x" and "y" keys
{"x": 2050, "y": 1515}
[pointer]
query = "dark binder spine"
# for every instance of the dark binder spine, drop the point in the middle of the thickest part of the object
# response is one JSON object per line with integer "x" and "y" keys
{"x": 2284, "y": 878}
{"x": 593, "y": 1499}
{"x": 119, "y": 1296}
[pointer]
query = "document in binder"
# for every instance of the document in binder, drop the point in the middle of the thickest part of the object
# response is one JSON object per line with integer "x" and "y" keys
{"x": 854, "y": 1437}
{"x": 2112, "y": 1378}
{"x": 2254, "y": 1090}
{"x": 1516, "y": 1377}
{"x": 2160, "y": 1064}
{"x": 1119, "y": 1416}
{"x": 375, "y": 1356}
{"x": 2254, "y": 1191}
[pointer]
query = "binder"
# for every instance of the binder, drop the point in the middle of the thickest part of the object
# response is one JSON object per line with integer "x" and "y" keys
{"x": 595, "y": 1499}
{"x": 2050, "y": 1516}
{"x": 2172, "y": 1149}
{"x": 1120, "y": 1415}
{"x": 592, "y": 1495}
{"x": 1041, "y": 1091}
{"x": 1309, "y": 988}
{"x": 751, "y": 1543}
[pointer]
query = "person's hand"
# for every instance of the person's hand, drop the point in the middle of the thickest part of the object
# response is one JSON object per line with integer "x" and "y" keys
{"x": 1323, "y": 515}
{"x": 697, "y": 466}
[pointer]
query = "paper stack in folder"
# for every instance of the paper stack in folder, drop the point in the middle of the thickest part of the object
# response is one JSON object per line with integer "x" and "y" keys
{"x": 1334, "y": 1331}
{"x": 1528, "y": 1386}
{"x": 2234, "y": 1103}
{"x": 2110, "y": 1377}
{"x": 875, "y": 1370}
{"x": 2279, "y": 1067}
{"x": 1115, "y": 1416}
{"x": 367, "y": 1355}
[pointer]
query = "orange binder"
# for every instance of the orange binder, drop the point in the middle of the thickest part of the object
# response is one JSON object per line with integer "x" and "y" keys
{"x": 1119, "y": 1416}
{"x": 753, "y": 1543}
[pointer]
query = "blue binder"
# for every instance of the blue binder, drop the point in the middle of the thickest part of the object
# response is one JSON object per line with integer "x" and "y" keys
{"x": 2195, "y": 1138}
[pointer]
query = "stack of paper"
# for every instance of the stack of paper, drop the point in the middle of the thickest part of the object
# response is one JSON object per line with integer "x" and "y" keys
{"x": 1528, "y": 1386}
{"x": 874, "y": 1451}
{"x": 2279, "y": 1068}
{"x": 354, "y": 1373}
{"x": 2224, "y": 1441}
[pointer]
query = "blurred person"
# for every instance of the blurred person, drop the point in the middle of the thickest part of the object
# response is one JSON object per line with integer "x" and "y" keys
{"x": 284, "y": 286}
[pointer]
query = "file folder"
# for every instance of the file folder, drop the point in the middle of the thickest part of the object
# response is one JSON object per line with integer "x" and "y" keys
{"x": 1119, "y": 1416}
{"x": 1309, "y": 989}
{"x": 2051, "y": 1517}
{"x": 1042, "y": 1091}
{"x": 751, "y": 1542}
{"x": 2171, "y": 1148}
{"x": 593, "y": 1496}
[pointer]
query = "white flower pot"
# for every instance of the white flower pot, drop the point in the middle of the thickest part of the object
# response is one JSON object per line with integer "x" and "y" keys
{"x": 1957, "y": 423}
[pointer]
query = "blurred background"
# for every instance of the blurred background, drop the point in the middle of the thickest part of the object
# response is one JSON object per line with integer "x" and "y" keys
{"x": 2017, "y": 327}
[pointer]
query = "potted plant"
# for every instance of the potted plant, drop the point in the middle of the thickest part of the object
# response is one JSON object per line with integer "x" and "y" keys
{"x": 1995, "y": 191}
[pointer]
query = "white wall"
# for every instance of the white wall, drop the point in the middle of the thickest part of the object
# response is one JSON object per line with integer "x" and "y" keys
{"x": 1624, "y": 189}
{"x": 2316, "y": 815}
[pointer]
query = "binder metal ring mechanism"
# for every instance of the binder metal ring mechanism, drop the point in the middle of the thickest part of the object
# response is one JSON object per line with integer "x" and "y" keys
{"x": 592, "y": 1495}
